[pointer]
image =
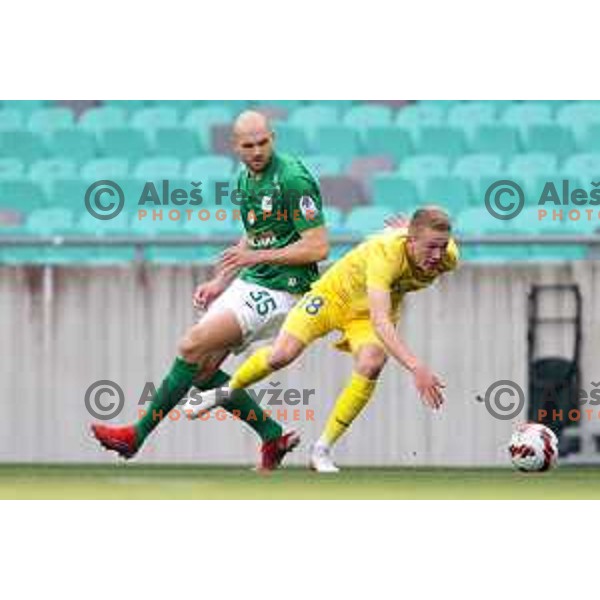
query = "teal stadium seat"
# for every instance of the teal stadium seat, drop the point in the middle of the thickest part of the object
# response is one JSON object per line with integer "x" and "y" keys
{"x": 97, "y": 120}
{"x": 11, "y": 168}
{"x": 336, "y": 140}
{"x": 415, "y": 116}
{"x": 124, "y": 142}
{"x": 585, "y": 166}
{"x": 502, "y": 140}
{"x": 201, "y": 120}
{"x": 50, "y": 221}
{"x": 73, "y": 144}
{"x": 47, "y": 120}
{"x": 523, "y": 115}
{"x": 475, "y": 166}
{"x": 470, "y": 115}
{"x": 364, "y": 116}
{"x": 24, "y": 145}
{"x": 421, "y": 167}
{"x": 26, "y": 107}
{"x": 365, "y": 220}
{"x": 524, "y": 168}
{"x": 109, "y": 167}
{"x": 68, "y": 193}
{"x": 10, "y": 120}
{"x": 388, "y": 141}
{"x": 395, "y": 192}
{"x": 579, "y": 116}
{"x": 150, "y": 119}
{"x": 321, "y": 165}
{"x": 590, "y": 139}
{"x": 178, "y": 142}
{"x": 129, "y": 106}
{"x": 291, "y": 138}
{"x": 209, "y": 167}
{"x": 314, "y": 116}
{"x": 452, "y": 193}
{"x": 157, "y": 168}
{"x": 549, "y": 138}
{"x": 21, "y": 195}
{"x": 44, "y": 172}
{"x": 448, "y": 141}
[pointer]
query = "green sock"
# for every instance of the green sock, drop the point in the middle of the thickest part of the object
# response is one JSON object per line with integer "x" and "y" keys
{"x": 244, "y": 407}
{"x": 172, "y": 389}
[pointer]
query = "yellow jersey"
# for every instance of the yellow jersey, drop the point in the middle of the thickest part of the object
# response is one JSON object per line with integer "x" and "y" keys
{"x": 382, "y": 263}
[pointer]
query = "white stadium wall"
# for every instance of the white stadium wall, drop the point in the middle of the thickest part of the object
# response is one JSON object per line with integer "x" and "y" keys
{"x": 64, "y": 329}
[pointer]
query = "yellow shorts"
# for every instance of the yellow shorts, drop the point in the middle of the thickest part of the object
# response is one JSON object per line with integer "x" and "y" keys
{"x": 316, "y": 315}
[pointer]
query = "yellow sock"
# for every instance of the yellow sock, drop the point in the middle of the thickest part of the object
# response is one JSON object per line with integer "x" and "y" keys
{"x": 253, "y": 370}
{"x": 347, "y": 407}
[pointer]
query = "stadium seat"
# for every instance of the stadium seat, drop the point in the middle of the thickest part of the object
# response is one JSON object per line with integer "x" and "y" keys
{"x": 583, "y": 165}
{"x": 320, "y": 165}
{"x": 178, "y": 142}
{"x": 342, "y": 192}
{"x": 24, "y": 145}
{"x": 181, "y": 107}
{"x": 10, "y": 120}
{"x": 105, "y": 168}
{"x": 220, "y": 140}
{"x": 311, "y": 117}
{"x": 363, "y": 116}
{"x": 415, "y": 116}
{"x": 106, "y": 255}
{"x": 336, "y": 140}
{"x": 447, "y": 141}
{"x": 129, "y": 106}
{"x": 47, "y": 120}
{"x": 525, "y": 114}
{"x": 124, "y": 142}
{"x": 25, "y": 107}
{"x": 97, "y": 120}
{"x": 150, "y": 119}
{"x": 452, "y": 193}
{"x": 470, "y": 115}
{"x": 74, "y": 144}
{"x": 11, "y": 168}
{"x": 201, "y": 120}
{"x": 49, "y": 221}
{"x": 68, "y": 193}
{"x": 44, "y": 172}
{"x": 21, "y": 195}
{"x": 388, "y": 141}
{"x": 396, "y": 192}
{"x": 501, "y": 140}
{"x": 421, "y": 167}
{"x": 156, "y": 168}
{"x": 579, "y": 116}
{"x": 475, "y": 166}
{"x": 532, "y": 164}
{"x": 363, "y": 168}
{"x": 209, "y": 167}
{"x": 589, "y": 141}
{"x": 290, "y": 138}
{"x": 365, "y": 220}
{"x": 549, "y": 138}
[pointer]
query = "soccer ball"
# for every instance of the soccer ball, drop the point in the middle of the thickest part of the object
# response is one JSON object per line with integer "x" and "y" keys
{"x": 533, "y": 447}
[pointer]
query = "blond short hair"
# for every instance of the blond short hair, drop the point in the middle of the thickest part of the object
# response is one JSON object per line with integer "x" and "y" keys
{"x": 432, "y": 217}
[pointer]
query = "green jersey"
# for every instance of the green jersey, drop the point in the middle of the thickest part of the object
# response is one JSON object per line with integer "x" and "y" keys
{"x": 276, "y": 208}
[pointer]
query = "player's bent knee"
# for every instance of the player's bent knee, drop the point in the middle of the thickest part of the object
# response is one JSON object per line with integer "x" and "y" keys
{"x": 188, "y": 350}
{"x": 370, "y": 362}
{"x": 285, "y": 351}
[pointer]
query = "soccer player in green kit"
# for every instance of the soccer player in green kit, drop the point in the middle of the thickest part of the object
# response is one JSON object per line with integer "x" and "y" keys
{"x": 258, "y": 282}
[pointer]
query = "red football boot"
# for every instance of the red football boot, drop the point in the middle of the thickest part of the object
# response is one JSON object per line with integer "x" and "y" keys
{"x": 273, "y": 452}
{"x": 121, "y": 439}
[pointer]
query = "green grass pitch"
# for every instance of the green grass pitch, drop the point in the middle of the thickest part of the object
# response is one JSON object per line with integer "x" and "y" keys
{"x": 135, "y": 481}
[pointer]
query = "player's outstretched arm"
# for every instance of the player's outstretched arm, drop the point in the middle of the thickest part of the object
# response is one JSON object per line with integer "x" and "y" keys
{"x": 427, "y": 383}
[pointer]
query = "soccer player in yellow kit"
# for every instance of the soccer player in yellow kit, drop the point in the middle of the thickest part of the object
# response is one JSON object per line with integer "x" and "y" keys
{"x": 361, "y": 297}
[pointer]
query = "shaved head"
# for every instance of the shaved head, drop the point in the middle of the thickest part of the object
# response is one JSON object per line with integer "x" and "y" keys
{"x": 249, "y": 122}
{"x": 253, "y": 140}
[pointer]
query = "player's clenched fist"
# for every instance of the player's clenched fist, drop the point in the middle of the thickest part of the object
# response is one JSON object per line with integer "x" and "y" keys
{"x": 429, "y": 387}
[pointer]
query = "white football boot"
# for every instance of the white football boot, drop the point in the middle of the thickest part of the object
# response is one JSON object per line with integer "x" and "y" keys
{"x": 199, "y": 403}
{"x": 321, "y": 461}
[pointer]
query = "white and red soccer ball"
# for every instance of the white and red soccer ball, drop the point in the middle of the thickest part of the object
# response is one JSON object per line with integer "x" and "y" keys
{"x": 533, "y": 447}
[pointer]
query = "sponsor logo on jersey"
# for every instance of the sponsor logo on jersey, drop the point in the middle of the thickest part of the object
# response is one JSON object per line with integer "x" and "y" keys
{"x": 251, "y": 218}
{"x": 308, "y": 208}
{"x": 263, "y": 240}
{"x": 267, "y": 204}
